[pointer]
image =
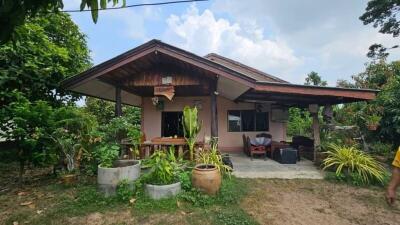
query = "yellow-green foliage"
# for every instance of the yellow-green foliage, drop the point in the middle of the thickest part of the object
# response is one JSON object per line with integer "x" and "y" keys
{"x": 348, "y": 160}
{"x": 213, "y": 157}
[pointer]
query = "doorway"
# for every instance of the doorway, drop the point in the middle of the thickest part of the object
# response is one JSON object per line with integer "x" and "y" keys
{"x": 171, "y": 124}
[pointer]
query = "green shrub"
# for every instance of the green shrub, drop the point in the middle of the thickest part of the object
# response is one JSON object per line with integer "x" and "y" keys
{"x": 125, "y": 190}
{"x": 349, "y": 160}
{"x": 185, "y": 179}
{"x": 106, "y": 154}
{"x": 164, "y": 168}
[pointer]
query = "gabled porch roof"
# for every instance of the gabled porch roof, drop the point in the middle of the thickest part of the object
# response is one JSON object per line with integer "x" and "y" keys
{"x": 234, "y": 80}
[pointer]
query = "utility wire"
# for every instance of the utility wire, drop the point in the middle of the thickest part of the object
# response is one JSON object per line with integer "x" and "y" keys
{"x": 132, "y": 6}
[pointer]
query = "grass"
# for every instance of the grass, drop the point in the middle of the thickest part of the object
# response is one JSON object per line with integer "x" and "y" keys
{"x": 54, "y": 203}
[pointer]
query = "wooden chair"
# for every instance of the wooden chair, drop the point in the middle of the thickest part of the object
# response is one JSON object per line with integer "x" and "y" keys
{"x": 256, "y": 150}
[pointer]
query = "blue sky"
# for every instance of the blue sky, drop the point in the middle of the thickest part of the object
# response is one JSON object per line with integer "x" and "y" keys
{"x": 282, "y": 37}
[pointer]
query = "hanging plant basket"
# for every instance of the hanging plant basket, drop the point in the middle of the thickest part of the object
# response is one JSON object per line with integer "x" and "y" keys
{"x": 372, "y": 127}
{"x": 68, "y": 179}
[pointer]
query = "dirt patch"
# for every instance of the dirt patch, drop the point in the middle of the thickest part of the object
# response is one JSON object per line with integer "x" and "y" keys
{"x": 312, "y": 202}
{"x": 107, "y": 218}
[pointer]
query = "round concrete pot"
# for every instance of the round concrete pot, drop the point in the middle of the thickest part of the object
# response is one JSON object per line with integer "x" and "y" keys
{"x": 162, "y": 191}
{"x": 108, "y": 178}
{"x": 206, "y": 178}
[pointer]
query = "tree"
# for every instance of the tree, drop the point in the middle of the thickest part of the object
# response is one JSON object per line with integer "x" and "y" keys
{"x": 314, "y": 79}
{"x": 104, "y": 111}
{"x": 382, "y": 14}
{"x": 46, "y": 50}
{"x": 14, "y": 13}
{"x": 386, "y": 78}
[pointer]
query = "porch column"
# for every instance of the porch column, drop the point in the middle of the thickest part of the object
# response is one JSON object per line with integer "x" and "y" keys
{"x": 316, "y": 131}
{"x": 118, "y": 105}
{"x": 214, "y": 113}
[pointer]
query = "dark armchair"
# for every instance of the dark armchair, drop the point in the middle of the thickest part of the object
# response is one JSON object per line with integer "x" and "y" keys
{"x": 304, "y": 145}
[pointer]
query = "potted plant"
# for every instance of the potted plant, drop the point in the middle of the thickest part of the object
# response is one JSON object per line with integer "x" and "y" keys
{"x": 206, "y": 175}
{"x": 191, "y": 127}
{"x": 373, "y": 121}
{"x": 69, "y": 145}
{"x": 162, "y": 180}
{"x": 112, "y": 171}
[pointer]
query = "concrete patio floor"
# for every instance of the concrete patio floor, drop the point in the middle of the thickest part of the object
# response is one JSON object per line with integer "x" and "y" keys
{"x": 244, "y": 167}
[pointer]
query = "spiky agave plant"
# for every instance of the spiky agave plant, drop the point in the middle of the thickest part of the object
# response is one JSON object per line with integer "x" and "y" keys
{"x": 348, "y": 159}
{"x": 191, "y": 127}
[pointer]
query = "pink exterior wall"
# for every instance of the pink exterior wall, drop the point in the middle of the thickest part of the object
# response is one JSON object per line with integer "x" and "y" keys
{"x": 228, "y": 141}
{"x": 152, "y": 117}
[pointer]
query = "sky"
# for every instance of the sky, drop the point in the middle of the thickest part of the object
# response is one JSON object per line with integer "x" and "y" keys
{"x": 284, "y": 38}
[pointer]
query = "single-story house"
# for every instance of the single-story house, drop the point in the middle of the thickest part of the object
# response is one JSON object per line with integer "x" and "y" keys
{"x": 233, "y": 99}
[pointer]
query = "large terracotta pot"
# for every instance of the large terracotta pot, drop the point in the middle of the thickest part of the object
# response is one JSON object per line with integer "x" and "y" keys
{"x": 206, "y": 178}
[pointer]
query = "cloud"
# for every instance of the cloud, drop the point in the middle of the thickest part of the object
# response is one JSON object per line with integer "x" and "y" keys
{"x": 203, "y": 33}
{"x": 326, "y": 34}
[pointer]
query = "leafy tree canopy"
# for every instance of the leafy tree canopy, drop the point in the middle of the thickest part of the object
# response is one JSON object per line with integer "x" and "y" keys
{"x": 47, "y": 49}
{"x": 14, "y": 12}
{"x": 386, "y": 78}
{"x": 315, "y": 79}
{"x": 382, "y": 14}
{"x": 104, "y": 111}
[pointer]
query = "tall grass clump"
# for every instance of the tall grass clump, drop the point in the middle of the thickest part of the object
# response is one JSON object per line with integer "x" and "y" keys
{"x": 349, "y": 161}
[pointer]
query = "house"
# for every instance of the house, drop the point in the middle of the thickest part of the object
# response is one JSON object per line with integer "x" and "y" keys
{"x": 233, "y": 99}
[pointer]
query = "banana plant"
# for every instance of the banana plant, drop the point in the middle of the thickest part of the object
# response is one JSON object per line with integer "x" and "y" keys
{"x": 191, "y": 127}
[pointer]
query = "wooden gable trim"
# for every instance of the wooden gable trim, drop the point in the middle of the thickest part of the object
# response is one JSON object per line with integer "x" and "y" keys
{"x": 362, "y": 94}
{"x": 104, "y": 68}
{"x": 208, "y": 65}
{"x": 148, "y": 48}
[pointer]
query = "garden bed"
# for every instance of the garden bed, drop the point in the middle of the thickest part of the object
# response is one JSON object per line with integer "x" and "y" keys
{"x": 264, "y": 201}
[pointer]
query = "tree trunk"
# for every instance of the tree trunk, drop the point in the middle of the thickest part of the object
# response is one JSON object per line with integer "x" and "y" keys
{"x": 21, "y": 171}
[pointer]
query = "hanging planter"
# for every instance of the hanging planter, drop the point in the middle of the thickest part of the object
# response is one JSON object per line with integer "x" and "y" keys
{"x": 373, "y": 122}
{"x": 372, "y": 127}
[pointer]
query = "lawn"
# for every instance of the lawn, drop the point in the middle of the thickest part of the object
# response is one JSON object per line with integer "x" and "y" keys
{"x": 43, "y": 200}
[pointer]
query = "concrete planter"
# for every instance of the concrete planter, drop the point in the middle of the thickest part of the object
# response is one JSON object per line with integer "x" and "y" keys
{"x": 108, "y": 178}
{"x": 163, "y": 191}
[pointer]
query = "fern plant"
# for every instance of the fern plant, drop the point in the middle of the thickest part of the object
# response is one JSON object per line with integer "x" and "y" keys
{"x": 347, "y": 160}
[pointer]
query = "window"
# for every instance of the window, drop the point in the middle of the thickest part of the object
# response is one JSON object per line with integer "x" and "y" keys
{"x": 247, "y": 120}
{"x": 234, "y": 122}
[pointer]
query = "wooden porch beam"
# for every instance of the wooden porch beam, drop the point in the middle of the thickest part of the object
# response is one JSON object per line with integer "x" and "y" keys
{"x": 316, "y": 130}
{"x": 214, "y": 112}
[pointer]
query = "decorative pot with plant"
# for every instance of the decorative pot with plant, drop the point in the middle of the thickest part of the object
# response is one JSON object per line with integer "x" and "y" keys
{"x": 191, "y": 127}
{"x": 206, "y": 176}
{"x": 111, "y": 171}
{"x": 162, "y": 181}
{"x": 373, "y": 121}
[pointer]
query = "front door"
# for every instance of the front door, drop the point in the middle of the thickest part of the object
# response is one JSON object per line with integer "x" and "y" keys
{"x": 171, "y": 124}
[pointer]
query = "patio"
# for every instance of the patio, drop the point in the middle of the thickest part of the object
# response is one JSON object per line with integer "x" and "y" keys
{"x": 244, "y": 167}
